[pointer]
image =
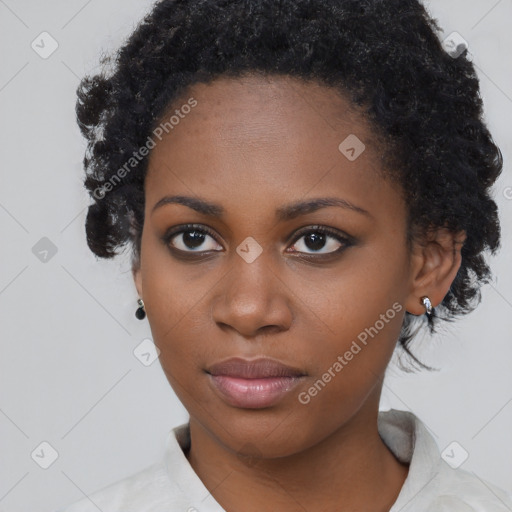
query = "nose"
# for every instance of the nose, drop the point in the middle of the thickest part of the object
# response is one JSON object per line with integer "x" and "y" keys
{"x": 252, "y": 300}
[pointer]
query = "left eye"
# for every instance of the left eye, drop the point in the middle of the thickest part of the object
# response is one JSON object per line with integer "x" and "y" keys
{"x": 320, "y": 238}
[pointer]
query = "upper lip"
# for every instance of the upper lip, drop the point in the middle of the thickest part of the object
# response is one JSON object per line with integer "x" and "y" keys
{"x": 259, "y": 368}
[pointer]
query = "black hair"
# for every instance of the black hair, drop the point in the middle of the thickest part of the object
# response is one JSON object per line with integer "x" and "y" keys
{"x": 386, "y": 56}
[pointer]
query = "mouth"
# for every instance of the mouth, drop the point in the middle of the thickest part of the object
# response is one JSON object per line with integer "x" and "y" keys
{"x": 253, "y": 384}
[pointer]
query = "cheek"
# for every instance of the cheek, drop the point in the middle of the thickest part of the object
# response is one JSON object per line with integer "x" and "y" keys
{"x": 365, "y": 292}
{"x": 170, "y": 302}
{"x": 365, "y": 308}
{"x": 357, "y": 317}
{"x": 349, "y": 360}
{"x": 356, "y": 348}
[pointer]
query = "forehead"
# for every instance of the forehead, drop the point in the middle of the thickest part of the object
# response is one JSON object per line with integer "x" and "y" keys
{"x": 261, "y": 134}
{"x": 276, "y": 112}
{"x": 246, "y": 107}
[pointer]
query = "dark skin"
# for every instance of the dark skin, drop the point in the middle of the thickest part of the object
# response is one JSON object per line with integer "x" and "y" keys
{"x": 253, "y": 145}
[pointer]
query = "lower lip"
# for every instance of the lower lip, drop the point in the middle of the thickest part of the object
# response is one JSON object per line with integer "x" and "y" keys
{"x": 253, "y": 393}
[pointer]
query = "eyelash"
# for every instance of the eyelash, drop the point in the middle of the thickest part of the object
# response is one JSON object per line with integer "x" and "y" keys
{"x": 344, "y": 240}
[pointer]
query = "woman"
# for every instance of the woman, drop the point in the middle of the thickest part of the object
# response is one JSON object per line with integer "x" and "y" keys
{"x": 304, "y": 184}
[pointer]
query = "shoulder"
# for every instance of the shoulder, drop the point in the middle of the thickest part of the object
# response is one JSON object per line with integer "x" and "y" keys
{"x": 162, "y": 487}
{"x": 432, "y": 484}
{"x": 146, "y": 490}
{"x": 458, "y": 490}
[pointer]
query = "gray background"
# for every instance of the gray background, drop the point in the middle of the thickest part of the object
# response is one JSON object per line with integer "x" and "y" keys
{"x": 68, "y": 374}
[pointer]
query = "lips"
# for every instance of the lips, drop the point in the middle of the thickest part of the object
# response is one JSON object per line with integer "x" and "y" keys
{"x": 261, "y": 368}
{"x": 253, "y": 384}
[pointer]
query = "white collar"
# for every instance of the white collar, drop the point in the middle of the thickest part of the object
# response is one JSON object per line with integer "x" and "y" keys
{"x": 409, "y": 440}
{"x": 403, "y": 433}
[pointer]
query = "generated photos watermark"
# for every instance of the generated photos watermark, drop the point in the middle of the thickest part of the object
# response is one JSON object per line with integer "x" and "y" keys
{"x": 143, "y": 151}
{"x": 305, "y": 397}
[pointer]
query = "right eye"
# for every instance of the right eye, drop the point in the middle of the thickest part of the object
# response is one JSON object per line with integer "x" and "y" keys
{"x": 189, "y": 238}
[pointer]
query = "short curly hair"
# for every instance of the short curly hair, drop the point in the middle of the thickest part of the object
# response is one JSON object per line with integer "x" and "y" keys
{"x": 386, "y": 56}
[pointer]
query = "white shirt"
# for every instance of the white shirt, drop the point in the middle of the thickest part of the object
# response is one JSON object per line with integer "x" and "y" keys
{"x": 432, "y": 485}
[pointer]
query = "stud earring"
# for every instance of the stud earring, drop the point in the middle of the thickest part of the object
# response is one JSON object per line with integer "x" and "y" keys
{"x": 428, "y": 305}
{"x": 140, "y": 313}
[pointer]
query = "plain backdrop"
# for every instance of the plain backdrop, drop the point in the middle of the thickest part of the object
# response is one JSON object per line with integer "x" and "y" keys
{"x": 68, "y": 373}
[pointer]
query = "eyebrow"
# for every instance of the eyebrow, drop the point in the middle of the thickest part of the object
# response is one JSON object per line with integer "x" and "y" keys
{"x": 283, "y": 213}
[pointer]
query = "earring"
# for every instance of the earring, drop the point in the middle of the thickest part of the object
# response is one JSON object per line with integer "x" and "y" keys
{"x": 140, "y": 313}
{"x": 428, "y": 305}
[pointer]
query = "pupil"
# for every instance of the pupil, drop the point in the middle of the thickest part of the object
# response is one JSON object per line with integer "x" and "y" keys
{"x": 193, "y": 239}
{"x": 318, "y": 241}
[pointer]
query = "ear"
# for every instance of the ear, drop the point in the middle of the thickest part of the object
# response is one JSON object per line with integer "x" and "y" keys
{"x": 435, "y": 261}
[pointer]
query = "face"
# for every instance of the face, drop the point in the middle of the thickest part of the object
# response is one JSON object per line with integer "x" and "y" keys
{"x": 320, "y": 289}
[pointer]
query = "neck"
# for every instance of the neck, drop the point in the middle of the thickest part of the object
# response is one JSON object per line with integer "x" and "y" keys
{"x": 352, "y": 466}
